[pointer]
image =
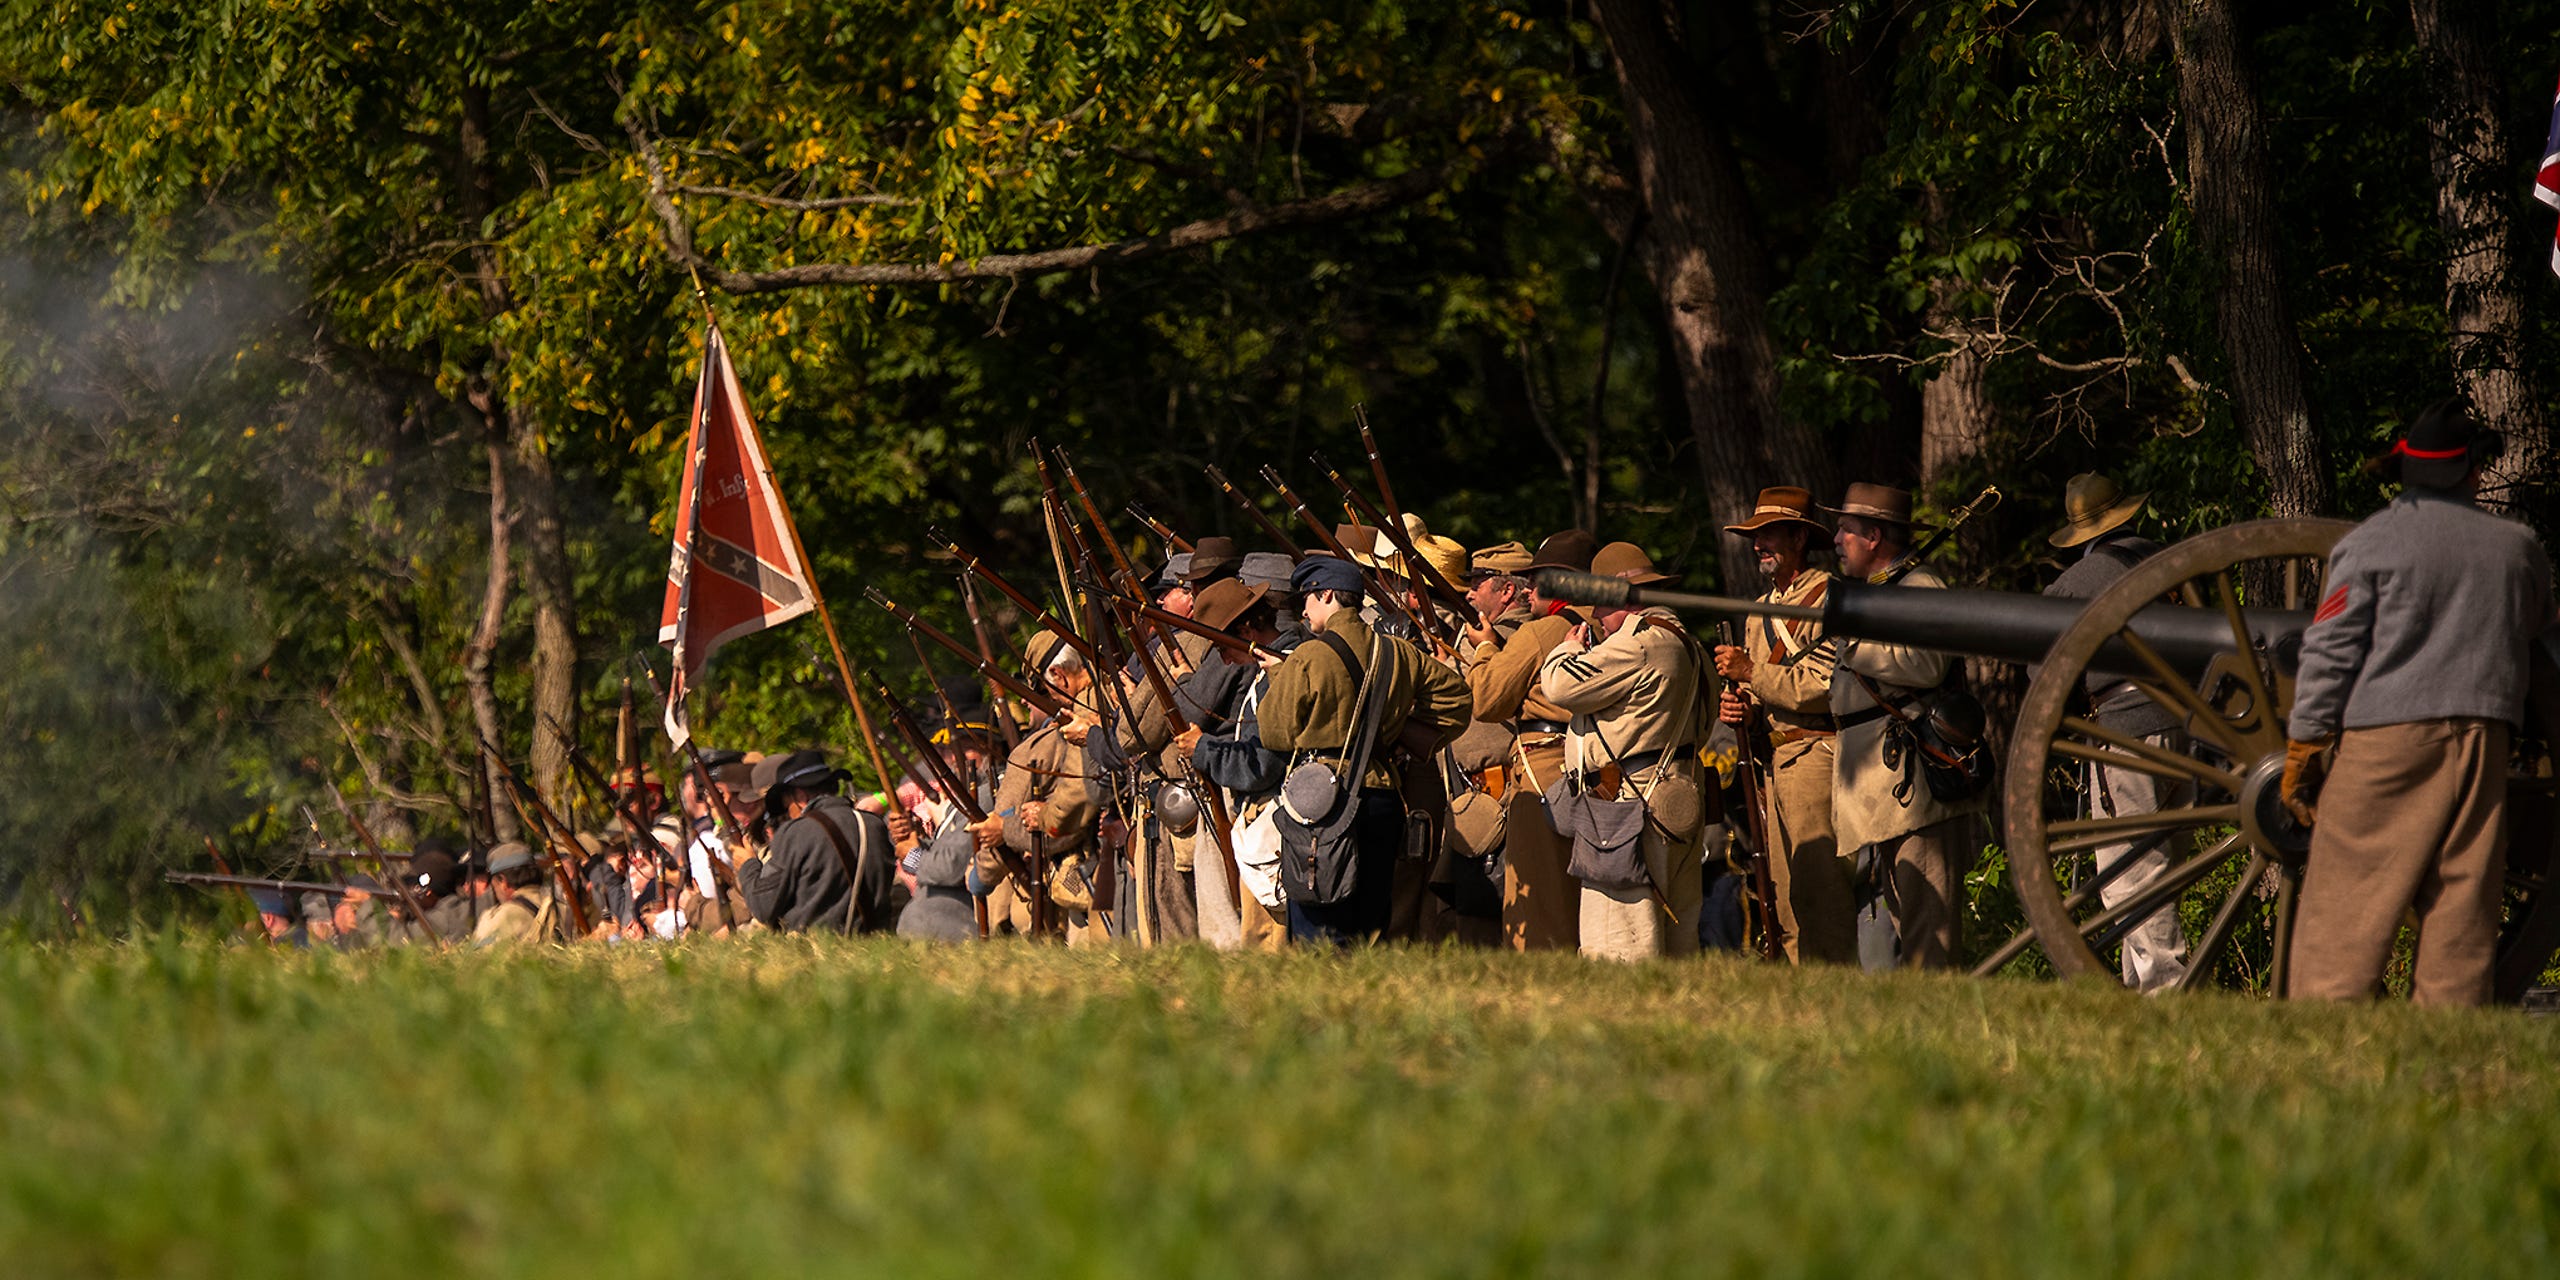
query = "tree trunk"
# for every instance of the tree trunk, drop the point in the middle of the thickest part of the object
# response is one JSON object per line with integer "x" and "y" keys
{"x": 550, "y": 586}
{"x": 1709, "y": 269}
{"x": 2476, "y": 208}
{"x": 481, "y": 654}
{"x": 2230, "y": 186}
{"x": 549, "y": 581}
{"x": 1958, "y": 423}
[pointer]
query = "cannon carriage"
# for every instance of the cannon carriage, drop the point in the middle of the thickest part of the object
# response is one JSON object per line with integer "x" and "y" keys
{"x": 2207, "y": 630}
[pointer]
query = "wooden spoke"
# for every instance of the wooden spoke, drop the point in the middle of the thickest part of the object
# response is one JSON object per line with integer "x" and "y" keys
{"x": 2140, "y": 756}
{"x": 2200, "y": 718}
{"x": 2187, "y": 592}
{"x": 2202, "y": 961}
{"x": 2162, "y": 889}
{"x": 2288, "y": 893}
{"x": 2076, "y": 834}
{"x": 2245, "y": 654}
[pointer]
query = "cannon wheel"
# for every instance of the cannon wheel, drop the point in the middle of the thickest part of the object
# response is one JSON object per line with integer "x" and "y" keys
{"x": 2235, "y": 723}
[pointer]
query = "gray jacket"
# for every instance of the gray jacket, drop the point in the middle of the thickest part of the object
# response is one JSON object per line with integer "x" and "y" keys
{"x": 2431, "y": 606}
{"x": 2119, "y": 705}
{"x": 800, "y": 883}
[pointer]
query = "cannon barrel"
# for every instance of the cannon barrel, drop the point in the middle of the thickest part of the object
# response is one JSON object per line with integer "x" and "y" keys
{"x": 1983, "y": 624}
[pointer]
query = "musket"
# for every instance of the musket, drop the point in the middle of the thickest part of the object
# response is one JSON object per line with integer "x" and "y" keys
{"x": 732, "y": 838}
{"x": 398, "y": 881}
{"x": 1053, "y": 510}
{"x": 587, "y": 773}
{"x": 1983, "y": 501}
{"x": 552, "y": 832}
{"x": 1020, "y": 601}
{"x": 203, "y": 879}
{"x": 1101, "y": 531}
{"x": 1417, "y": 574}
{"x": 223, "y": 866}
{"x": 1269, "y": 529}
{"x": 1167, "y": 618}
{"x": 987, "y": 662}
{"x": 1174, "y": 540}
{"x": 963, "y": 799}
{"x": 1377, "y": 465}
{"x": 312, "y": 821}
{"x": 985, "y": 666}
{"x": 1324, "y": 535}
{"x": 1755, "y": 823}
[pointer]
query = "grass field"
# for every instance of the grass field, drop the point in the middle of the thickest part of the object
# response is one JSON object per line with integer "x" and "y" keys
{"x": 786, "y": 1108}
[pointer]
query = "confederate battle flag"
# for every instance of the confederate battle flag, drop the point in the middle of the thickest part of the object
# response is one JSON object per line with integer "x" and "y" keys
{"x": 2546, "y": 182}
{"x": 737, "y": 563}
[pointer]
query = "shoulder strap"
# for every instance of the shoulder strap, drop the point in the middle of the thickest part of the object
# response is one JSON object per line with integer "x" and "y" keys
{"x": 854, "y": 864}
{"x": 1342, "y": 649}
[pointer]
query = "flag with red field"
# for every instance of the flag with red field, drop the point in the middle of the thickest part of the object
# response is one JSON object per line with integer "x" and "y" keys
{"x": 2546, "y": 182}
{"x": 736, "y": 568}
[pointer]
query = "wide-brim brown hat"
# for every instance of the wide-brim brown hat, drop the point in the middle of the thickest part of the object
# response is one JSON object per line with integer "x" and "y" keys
{"x": 1361, "y": 540}
{"x": 1571, "y": 549}
{"x": 1211, "y": 558}
{"x": 1781, "y": 504}
{"x": 1876, "y": 502}
{"x": 1627, "y": 560}
{"x": 2092, "y": 506}
{"x": 1222, "y": 602}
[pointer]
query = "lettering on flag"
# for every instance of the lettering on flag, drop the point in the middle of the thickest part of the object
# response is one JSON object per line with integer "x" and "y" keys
{"x": 736, "y": 568}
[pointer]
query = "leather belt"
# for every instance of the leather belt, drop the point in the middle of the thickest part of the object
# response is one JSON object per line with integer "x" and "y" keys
{"x": 1543, "y": 726}
{"x": 1639, "y": 762}
{"x": 1856, "y": 718}
{"x": 1786, "y": 737}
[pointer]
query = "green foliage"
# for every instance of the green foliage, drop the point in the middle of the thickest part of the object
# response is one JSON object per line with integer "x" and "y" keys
{"x": 783, "y": 1106}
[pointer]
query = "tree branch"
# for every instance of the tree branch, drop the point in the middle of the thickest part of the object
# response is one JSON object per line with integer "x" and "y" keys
{"x": 1338, "y": 206}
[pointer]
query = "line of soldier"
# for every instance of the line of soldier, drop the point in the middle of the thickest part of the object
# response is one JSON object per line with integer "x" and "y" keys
{"x": 1400, "y": 739}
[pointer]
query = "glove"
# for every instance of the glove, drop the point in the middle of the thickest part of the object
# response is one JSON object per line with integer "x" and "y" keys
{"x": 2299, "y": 788}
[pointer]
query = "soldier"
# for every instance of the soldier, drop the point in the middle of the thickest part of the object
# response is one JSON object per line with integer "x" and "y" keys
{"x": 1913, "y": 848}
{"x": 801, "y": 881}
{"x": 942, "y": 910}
{"x": 1209, "y": 698}
{"x": 2098, "y": 520}
{"x": 1785, "y": 667}
{"x": 1228, "y": 751}
{"x": 1541, "y": 904}
{"x": 1638, "y": 688}
{"x": 1311, "y": 709}
{"x": 2415, "y": 668}
{"x": 1478, "y": 763}
{"x": 1045, "y": 805}
{"x": 1213, "y": 559}
{"x": 433, "y": 878}
{"x": 524, "y": 911}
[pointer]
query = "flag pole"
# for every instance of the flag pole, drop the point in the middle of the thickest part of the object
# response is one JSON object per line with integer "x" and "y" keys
{"x": 818, "y": 605}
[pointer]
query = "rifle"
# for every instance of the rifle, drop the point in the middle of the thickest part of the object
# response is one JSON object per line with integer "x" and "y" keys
{"x": 400, "y": 882}
{"x": 552, "y": 832}
{"x": 1425, "y": 580}
{"x": 1269, "y": 529}
{"x": 585, "y": 768}
{"x": 1755, "y": 822}
{"x": 1053, "y": 510}
{"x": 222, "y": 865}
{"x": 732, "y": 837}
{"x": 1171, "y": 539}
{"x": 1324, "y": 535}
{"x": 1377, "y": 466}
{"x": 1038, "y": 615}
{"x": 985, "y": 666}
{"x": 1983, "y": 501}
{"x": 209, "y": 880}
{"x": 987, "y": 662}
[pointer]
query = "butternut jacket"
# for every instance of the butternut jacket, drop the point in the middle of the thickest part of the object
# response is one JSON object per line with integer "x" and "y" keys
{"x": 1310, "y": 704}
{"x": 1863, "y": 807}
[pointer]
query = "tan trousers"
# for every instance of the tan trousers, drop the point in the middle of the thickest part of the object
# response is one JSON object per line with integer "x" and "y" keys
{"x": 1816, "y": 904}
{"x": 1541, "y": 904}
{"x": 1636, "y": 924}
{"x": 2412, "y": 815}
{"x": 1926, "y": 890}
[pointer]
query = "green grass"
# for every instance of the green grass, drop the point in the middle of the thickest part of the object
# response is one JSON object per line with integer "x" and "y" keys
{"x": 786, "y": 1108}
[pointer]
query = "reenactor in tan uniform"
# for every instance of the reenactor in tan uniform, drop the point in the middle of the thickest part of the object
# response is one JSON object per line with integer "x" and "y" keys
{"x": 2415, "y": 667}
{"x": 1479, "y": 762}
{"x": 1541, "y": 904}
{"x": 1311, "y": 709}
{"x": 1913, "y": 848}
{"x": 1785, "y": 667}
{"x": 524, "y": 911}
{"x": 1639, "y": 691}
{"x": 1044, "y": 804}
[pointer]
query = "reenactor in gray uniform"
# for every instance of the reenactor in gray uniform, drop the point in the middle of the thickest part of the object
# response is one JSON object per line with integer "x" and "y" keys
{"x": 2414, "y": 667}
{"x": 1912, "y": 848}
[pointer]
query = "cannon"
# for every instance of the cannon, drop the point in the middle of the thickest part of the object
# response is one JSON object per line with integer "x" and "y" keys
{"x": 2208, "y": 629}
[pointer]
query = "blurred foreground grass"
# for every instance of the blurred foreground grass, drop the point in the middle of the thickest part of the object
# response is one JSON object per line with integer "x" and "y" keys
{"x": 788, "y": 1108}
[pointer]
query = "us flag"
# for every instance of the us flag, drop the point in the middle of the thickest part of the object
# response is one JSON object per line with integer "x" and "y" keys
{"x": 736, "y": 568}
{"x": 2546, "y": 182}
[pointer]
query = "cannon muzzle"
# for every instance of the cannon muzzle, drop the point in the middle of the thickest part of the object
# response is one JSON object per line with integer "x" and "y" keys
{"x": 1982, "y": 624}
